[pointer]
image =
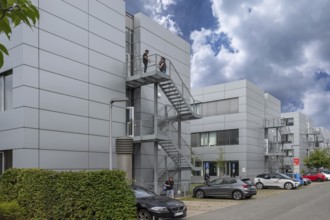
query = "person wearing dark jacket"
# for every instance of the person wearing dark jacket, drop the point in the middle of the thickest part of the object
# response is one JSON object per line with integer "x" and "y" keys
{"x": 169, "y": 187}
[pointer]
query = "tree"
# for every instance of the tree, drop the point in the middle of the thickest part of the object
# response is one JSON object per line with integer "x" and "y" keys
{"x": 221, "y": 161}
{"x": 13, "y": 13}
{"x": 318, "y": 159}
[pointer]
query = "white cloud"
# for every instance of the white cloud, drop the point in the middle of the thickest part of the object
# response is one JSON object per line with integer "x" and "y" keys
{"x": 158, "y": 11}
{"x": 280, "y": 46}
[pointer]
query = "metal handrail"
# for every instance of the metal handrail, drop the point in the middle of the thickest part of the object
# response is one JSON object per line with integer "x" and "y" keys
{"x": 171, "y": 71}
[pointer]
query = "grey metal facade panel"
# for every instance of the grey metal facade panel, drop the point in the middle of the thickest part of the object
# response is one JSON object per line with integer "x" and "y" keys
{"x": 25, "y": 97}
{"x": 60, "y": 65}
{"x": 98, "y": 110}
{"x": 103, "y": 95}
{"x": 105, "y": 63}
{"x": 111, "y": 15}
{"x": 106, "y": 47}
{"x": 98, "y": 127}
{"x": 57, "y": 26}
{"x": 98, "y": 143}
{"x": 63, "y": 47}
{"x": 98, "y": 160}
{"x": 106, "y": 79}
{"x": 81, "y": 4}
{"x": 54, "y": 140}
{"x": 63, "y": 122}
{"x": 63, "y": 103}
{"x": 25, "y": 158}
{"x": 65, "y": 11}
{"x": 63, "y": 160}
{"x": 25, "y": 75}
{"x": 63, "y": 85}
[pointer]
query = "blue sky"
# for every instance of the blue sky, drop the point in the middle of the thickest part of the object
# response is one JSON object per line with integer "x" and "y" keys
{"x": 281, "y": 46}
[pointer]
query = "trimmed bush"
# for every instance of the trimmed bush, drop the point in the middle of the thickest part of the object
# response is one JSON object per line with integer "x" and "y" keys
{"x": 9, "y": 210}
{"x": 44, "y": 194}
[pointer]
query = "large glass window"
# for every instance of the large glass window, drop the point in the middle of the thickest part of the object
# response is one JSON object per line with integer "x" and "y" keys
{"x": 220, "y": 107}
{"x": 215, "y": 138}
{"x": 6, "y": 91}
{"x": 204, "y": 139}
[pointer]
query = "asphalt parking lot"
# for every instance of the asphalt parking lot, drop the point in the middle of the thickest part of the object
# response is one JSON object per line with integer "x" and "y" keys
{"x": 199, "y": 206}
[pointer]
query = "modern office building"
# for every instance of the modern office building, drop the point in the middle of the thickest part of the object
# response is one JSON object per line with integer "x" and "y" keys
{"x": 306, "y": 138}
{"x": 81, "y": 60}
{"x": 230, "y": 138}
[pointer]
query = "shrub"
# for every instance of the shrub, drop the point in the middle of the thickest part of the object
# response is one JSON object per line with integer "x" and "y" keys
{"x": 9, "y": 210}
{"x": 44, "y": 194}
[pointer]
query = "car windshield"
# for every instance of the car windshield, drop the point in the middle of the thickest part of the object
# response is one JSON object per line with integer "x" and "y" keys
{"x": 142, "y": 193}
{"x": 326, "y": 171}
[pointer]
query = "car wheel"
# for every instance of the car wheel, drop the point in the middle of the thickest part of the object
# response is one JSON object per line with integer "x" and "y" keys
{"x": 200, "y": 194}
{"x": 237, "y": 195}
{"x": 319, "y": 180}
{"x": 259, "y": 185}
{"x": 288, "y": 186}
{"x": 143, "y": 214}
{"x": 248, "y": 197}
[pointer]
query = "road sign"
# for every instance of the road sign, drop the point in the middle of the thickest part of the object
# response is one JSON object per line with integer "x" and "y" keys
{"x": 296, "y": 161}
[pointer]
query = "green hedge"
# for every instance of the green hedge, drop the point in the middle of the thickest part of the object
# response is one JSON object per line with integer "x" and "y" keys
{"x": 44, "y": 194}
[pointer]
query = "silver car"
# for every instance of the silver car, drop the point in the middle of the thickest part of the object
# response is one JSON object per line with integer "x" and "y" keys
{"x": 227, "y": 187}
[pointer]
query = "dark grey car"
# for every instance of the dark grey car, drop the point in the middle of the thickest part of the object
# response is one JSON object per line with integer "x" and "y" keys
{"x": 227, "y": 187}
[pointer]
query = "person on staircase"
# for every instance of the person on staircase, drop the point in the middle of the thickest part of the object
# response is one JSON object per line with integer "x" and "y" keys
{"x": 162, "y": 65}
{"x": 145, "y": 60}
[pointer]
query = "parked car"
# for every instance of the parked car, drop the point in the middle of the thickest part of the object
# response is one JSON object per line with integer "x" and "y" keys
{"x": 226, "y": 187}
{"x": 326, "y": 174}
{"x": 150, "y": 206}
{"x": 315, "y": 176}
{"x": 275, "y": 180}
{"x": 297, "y": 177}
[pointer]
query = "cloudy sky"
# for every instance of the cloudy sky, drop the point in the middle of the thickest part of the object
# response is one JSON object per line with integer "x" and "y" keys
{"x": 282, "y": 46}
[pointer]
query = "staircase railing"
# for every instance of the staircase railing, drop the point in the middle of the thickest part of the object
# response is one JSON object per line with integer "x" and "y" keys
{"x": 174, "y": 75}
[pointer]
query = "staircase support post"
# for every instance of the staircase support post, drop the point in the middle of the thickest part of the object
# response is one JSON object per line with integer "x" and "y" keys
{"x": 155, "y": 108}
{"x": 156, "y": 167}
{"x": 179, "y": 145}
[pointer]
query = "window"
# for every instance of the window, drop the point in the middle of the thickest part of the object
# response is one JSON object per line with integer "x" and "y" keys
{"x": 290, "y": 122}
{"x": 215, "y": 138}
{"x": 6, "y": 91}
{"x": 204, "y": 139}
{"x": 195, "y": 140}
{"x": 220, "y": 107}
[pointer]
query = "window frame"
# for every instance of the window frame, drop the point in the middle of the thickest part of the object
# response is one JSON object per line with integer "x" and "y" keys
{"x": 3, "y": 91}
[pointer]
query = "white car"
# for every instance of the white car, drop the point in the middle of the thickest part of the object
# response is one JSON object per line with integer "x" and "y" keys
{"x": 275, "y": 180}
{"x": 326, "y": 174}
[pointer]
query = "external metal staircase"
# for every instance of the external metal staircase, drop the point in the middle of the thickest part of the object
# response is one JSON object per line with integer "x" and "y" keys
{"x": 181, "y": 100}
